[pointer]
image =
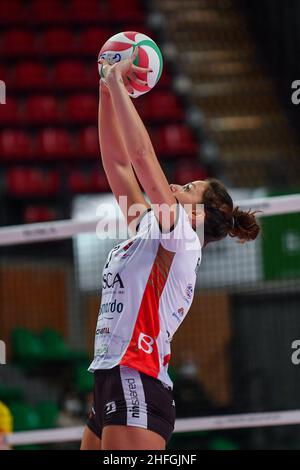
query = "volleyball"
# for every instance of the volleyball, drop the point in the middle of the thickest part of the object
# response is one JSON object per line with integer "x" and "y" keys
{"x": 122, "y": 45}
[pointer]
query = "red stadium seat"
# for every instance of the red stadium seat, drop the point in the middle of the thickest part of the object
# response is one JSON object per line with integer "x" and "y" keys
{"x": 12, "y": 12}
{"x": 18, "y": 43}
{"x": 43, "y": 109}
{"x": 127, "y": 11}
{"x": 99, "y": 181}
{"x": 16, "y": 180}
{"x": 15, "y": 144}
{"x": 160, "y": 106}
{"x": 165, "y": 80}
{"x": 93, "y": 77}
{"x": 92, "y": 40}
{"x": 31, "y": 75}
{"x": 71, "y": 74}
{"x": 82, "y": 108}
{"x": 5, "y": 73}
{"x": 58, "y": 42}
{"x": 79, "y": 181}
{"x": 32, "y": 182}
{"x": 184, "y": 173}
{"x": 54, "y": 143}
{"x": 89, "y": 11}
{"x": 34, "y": 213}
{"x": 10, "y": 112}
{"x": 89, "y": 142}
{"x": 85, "y": 181}
{"x": 176, "y": 140}
{"x": 48, "y": 11}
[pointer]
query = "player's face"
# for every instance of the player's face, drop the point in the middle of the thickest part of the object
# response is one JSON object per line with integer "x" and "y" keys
{"x": 190, "y": 193}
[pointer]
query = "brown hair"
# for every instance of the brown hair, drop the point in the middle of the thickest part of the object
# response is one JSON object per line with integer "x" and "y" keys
{"x": 222, "y": 219}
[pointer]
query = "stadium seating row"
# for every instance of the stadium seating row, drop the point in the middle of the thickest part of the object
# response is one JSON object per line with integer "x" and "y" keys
{"x": 63, "y": 12}
{"x": 80, "y": 108}
{"x": 55, "y": 42}
{"x": 169, "y": 141}
{"x": 22, "y": 182}
{"x": 33, "y": 181}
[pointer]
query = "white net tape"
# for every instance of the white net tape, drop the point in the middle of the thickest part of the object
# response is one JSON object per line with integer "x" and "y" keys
{"x": 46, "y": 231}
{"x": 247, "y": 420}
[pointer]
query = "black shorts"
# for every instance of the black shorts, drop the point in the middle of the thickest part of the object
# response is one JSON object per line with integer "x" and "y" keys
{"x": 127, "y": 397}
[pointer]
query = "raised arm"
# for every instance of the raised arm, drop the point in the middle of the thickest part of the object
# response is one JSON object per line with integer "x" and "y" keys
{"x": 115, "y": 158}
{"x": 138, "y": 143}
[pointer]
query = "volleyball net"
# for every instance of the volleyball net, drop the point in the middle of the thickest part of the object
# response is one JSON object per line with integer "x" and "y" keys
{"x": 234, "y": 358}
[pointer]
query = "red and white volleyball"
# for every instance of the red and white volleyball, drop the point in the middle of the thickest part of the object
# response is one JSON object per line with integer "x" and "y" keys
{"x": 122, "y": 45}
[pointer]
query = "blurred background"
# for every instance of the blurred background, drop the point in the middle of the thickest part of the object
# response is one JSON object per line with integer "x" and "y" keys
{"x": 222, "y": 108}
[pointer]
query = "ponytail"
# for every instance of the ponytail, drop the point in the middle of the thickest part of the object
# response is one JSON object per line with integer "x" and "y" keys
{"x": 244, "y": 225}
{"x": 221, "y": 219}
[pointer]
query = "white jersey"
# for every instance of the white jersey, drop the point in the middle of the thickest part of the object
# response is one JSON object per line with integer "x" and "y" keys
{"x": 147, "y": 290}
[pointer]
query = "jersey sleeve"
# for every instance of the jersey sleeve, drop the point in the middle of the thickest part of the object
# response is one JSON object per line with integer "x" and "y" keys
{"x": 143, "y": 220}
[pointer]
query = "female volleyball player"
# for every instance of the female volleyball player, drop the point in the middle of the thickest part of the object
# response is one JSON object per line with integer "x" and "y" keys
{"x": 148, "y": 281}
